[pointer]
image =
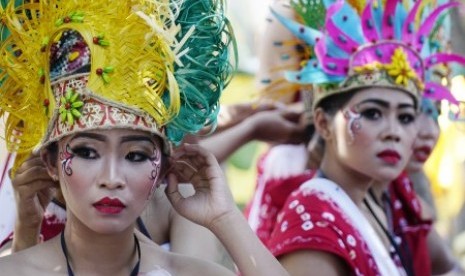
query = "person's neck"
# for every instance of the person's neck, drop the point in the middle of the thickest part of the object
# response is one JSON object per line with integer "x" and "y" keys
{"x": 378, "y": 188}
{"x": 355, "y": 184}
{"x": 101, "y": 254}
{"x": 59, "y": 197}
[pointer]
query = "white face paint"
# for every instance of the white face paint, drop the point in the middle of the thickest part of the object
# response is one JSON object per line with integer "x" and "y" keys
{"x": 108, "y": 175}
{"x": 374, "y": 132}
{"x": 353, "y": 122}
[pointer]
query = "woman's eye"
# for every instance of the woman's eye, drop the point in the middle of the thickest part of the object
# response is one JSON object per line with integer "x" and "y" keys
{"x": 371, "y": 114}
{"x": 137, "y": 157}
{"x": 406, "y": 118}
{"x": 86, "y": 153}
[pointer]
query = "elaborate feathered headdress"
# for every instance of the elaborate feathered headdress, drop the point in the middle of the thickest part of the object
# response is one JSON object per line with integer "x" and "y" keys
{"x": 68, "y": 66}
{"x": 372, "y": 43}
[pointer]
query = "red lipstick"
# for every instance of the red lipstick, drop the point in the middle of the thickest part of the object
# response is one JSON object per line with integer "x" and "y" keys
{"x": 109, "y": 206}
{"x": 390, "y": 157}
{"x": 422, "y": 153}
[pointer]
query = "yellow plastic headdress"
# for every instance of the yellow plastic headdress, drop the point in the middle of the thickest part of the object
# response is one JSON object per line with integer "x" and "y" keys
{"x": 70, "y": 66}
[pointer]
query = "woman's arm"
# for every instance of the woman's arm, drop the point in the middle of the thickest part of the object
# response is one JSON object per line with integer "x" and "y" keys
{"x": 33, "y": 189}
{"x": 298, "y": 263}
{"x": 212, "y": 206}
{"x": 274, "y": 126}
{"x": 194, "y": 240}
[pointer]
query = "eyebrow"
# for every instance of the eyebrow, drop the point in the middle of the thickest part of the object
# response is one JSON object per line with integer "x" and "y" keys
{"x": 386, "y": 104}
{"x": 135, "y": 138}
{"x": 94, "y": 136}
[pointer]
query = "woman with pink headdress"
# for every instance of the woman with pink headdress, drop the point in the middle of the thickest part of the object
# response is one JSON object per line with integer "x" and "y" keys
{"x": 357, "y": 48}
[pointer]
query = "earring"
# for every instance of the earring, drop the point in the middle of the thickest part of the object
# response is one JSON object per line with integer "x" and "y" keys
{"x": 55, "y": 177}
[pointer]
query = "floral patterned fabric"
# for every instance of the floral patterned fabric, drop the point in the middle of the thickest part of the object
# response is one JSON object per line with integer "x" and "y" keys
{"x": 310, "y": 220}
{"x": 409, "y": 225}
{"x": 280, "y": 171}
{"x": 274, "y": 190}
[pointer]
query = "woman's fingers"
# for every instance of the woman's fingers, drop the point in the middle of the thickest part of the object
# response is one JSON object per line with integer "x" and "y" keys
{"x": 30, "y": 175}
{"x": 172, "y": 189}
{"x": 30, "y": 190}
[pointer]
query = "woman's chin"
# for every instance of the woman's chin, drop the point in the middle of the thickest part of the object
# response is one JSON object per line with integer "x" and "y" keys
{"x": 415, "y": 166}
{"x": 388, "y": 175}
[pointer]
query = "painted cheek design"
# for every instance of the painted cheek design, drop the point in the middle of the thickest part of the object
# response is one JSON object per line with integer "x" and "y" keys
{"x": 66, "y": 157}
{"x": 354, "y": 125}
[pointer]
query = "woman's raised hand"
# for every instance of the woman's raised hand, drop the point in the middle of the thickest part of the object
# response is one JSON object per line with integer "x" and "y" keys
{"x": 212, "y": 199}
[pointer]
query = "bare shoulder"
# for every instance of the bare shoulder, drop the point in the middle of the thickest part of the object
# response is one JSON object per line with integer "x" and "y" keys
{"x": 160, "y": 261}
{"x": 320, "y": 262}
{"x": 42, "y": 259}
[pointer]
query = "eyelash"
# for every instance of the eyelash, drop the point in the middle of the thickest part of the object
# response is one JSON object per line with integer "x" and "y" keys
{"x": 374, "y": 114}
{"x": 85, "y": 152}
{"x": 143, "y": 156}
{"x": 91, "y": 154}
{"x": 371, "y": 114}
{"x": 406, "y": 118}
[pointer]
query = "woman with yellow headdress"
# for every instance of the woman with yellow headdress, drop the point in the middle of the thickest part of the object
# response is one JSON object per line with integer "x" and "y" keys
{"x": 102, "y": 89}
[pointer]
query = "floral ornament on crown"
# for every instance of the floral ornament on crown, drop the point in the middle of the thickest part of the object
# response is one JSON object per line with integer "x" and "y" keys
{"x": 399, "y": 69}
{"x": 70, "y": 106}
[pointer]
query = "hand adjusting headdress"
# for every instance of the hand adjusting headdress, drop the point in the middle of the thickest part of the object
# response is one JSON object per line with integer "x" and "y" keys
{"x": 371, "y": 44}
{"x": 70, "y": 66}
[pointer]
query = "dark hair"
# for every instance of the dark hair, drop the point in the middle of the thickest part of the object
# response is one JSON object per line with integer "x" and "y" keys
{"x": 333, "y": 103}
{"x": 53, "y": 151}
{"x": 330, "y": 106}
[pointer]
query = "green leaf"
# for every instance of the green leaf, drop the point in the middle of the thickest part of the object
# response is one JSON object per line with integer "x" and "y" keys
{"x": 59, "y": 22}
{"x": 106, "y": 78}
{"x": 77, "y": 18}
{"x": 69, "y": 94}
{"x": 77, "y": 104}
{"x": 70, "y": 118}
{"x": 104, "y": 42}
{"x": 45, "y": 40}
{"x": 74, "y": 97}
{"x": 63, "y": 115}
{"x": 108, "y": 69}
{"x": 76, "y": 113}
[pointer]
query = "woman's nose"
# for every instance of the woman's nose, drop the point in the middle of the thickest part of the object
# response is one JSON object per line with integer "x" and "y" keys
{"x": 392, "y": 131}
{"x": 111, "y": 176}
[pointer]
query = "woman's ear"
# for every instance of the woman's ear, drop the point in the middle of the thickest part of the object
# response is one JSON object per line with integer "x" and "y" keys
{"x": 50, "y": 160}
{"x": 322, "y": 123}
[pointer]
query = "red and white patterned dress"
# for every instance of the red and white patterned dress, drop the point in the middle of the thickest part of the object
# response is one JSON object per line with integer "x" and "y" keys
{"x": 279, "y": 172}
{"x": 275, "y": 185}
{"x": 310, "y": 220}
{"x": 409, "y": 225}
